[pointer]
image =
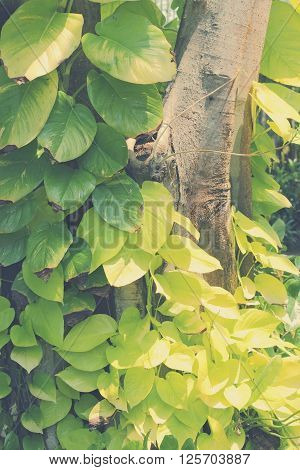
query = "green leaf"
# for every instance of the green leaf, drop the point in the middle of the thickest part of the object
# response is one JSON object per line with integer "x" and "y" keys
{"x": 129, "y": 265}
{"x": 42, "y": 386}
{"x": 68, "y": 188}
{"x": 21, "y": 172}
{"x": 11, "y": 441}
{"x": 81, "y": 381}
{"x": 50, "y": 289}
{"x": 81, "y": 439}
{"x": 104, "y": 240}
{"x": 138, "y": 384}
{"x": 146, "y": 8}
{"x": 34, "y": 442}
{"x": 181, "y": 357}
{"x": 89, "y": 333}
{"x": 185, "y": 254}
{"x": 37, "y": 38}
{"x": 47, "y": 245}
{"x": 175, "y": 389}
{"x": 169, "y": 443}
{"x": 108, "y": 153}
{"x": 119, "y": 202}
{"x": 47, "y": 320}
{"x": 89, "y": 361}
{"x": 28, "y": 358}
{"x": 85, "y": 405}
{"x": 52, "y": 413}
{"x": 271, "y": 289}
{"x": 5, "y": 388}
{"x": 23, "y": 335}
{"x": 13, "y": 247}
{"x": 7, "y": 314}
{"x": 101, "y": 411}
{"x": 256, "y": 229}
{"x": 76, "y": 301}
{"x": 129, "y": 109}
{"x": 32, "y": 419}
{"x": 70, "y": 129}
{"x": 238, "y": 396}
{"x": 14, "y": 217}
{"x": 281, "y": 61}
{"x": 65, "y": 427}
{"x": 77, "y": 260}
{"x": 281, "y": 104}
{"x": 66, "y": 390}
{"x": 130, "y": 57}
{"x": 189, "y": 322}
{"x": 25, "y": 108}
{"x": 157, "y": 219}
{"x": 4, "y": 339}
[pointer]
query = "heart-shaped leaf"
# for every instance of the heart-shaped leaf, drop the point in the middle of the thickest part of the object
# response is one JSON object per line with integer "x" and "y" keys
{"x": 13, "y": 247}
{"x": 138, "y": 384}
{"x": 6, "y": 315}
{"x": 238, "y": 396}
{"x": 25, "y": 108}
{"x": 42, "y": 386}
{"x": 37, "y": 38}
{"x": 68, "y": 188}
{"x": 47, "y": 320}
{"x": 129, "y": 109}
{"x": 47, "y": 245}
{"x": 32, "y": 419}
{"x": 103, "y": 239}
{"x": 130, "y": 48}
{"x": 108, "y": 153}
{"x": 21, "y": 172}
{"x": 81, "y": 381}
{"x": 52, "y": 413}
{"x": 14, "y": 217}
{"x": 5, "y": 388}
{"x": 89, "y": 333}
{"x": 129, "y": 265}
{"x": 119, "y": 202}
{"x": 89, "y": 361}
{"x": 77, "y": 260}
{"x": 50, "y": 289}
{"x": 28, "y": 358}
{"x": 70, "y": 129}
{"x": 23, "y": 335}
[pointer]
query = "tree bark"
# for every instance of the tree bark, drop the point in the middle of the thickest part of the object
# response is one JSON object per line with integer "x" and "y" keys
{"x": 219, "y": 48}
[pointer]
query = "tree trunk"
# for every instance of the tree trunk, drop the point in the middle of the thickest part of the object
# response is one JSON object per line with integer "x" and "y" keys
{"x": 218, "y": 54}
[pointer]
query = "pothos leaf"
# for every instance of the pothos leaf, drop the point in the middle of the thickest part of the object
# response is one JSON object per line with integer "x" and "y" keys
{"x": 47, "y": 245}
{"x": 14, "y": 217}
{"x": 108, "y": 153}
{"x": 130, "y": 57}
{"x": 25, "y": 108}
{"x": 68, "y": 188}
{"x": 70, "y": 129}
{"x": 129, "y": 109}
{"x": 37, "y": 38}
{"x": 28, "y": 358}
{"x": 13, "y": 247}
{"x": 104, "y": 240}
{"x": 21, "y": 172}
{"x": 49, "y": 289}
{"x": 119, "y": 202}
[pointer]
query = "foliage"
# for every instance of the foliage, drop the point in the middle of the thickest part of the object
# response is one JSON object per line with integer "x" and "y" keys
{"x": 203, "y": 366}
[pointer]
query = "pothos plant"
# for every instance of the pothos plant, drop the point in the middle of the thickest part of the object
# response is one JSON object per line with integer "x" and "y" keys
{"x": 202, "y": 366}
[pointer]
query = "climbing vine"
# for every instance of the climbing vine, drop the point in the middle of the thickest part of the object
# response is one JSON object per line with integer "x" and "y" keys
{"x": 201, "y": 367}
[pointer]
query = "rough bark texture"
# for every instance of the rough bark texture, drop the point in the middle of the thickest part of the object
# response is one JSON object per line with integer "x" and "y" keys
{"x": 219, "y": 45}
